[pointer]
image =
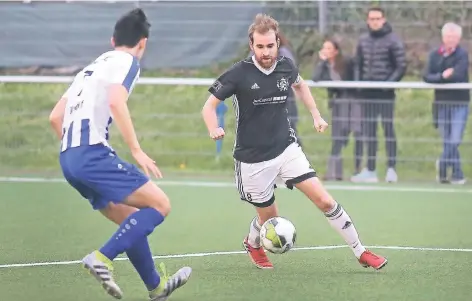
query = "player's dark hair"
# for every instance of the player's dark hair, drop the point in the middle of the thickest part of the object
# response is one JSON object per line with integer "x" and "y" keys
{"x": 131, "y": 28}
{"x": 377, "y": 9}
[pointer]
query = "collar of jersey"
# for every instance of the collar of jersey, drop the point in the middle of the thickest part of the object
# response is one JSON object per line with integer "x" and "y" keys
{"x": 265, "y": 71}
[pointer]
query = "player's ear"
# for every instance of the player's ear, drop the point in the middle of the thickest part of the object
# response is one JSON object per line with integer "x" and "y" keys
{"x": 278, "y": 43}
{"x": 250, "y": 46}
{"x": 112, "y": 42}
{"x": 142, "y": 43}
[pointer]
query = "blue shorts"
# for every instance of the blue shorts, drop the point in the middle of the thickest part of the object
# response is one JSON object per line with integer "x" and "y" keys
{"x": 99, "y": 175}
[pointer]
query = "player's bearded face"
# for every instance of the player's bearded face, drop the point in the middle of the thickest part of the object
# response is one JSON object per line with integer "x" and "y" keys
{"x": 265, "y": 48}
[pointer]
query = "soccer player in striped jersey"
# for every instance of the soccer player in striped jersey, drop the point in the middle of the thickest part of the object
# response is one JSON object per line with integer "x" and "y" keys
{"x": 118, "y": 189}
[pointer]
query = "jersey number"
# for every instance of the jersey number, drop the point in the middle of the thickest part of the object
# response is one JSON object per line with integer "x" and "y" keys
{"x": 248, "y": 197}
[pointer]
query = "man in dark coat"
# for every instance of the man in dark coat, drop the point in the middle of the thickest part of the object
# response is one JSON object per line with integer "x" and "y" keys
{"x": 380, "y": 56}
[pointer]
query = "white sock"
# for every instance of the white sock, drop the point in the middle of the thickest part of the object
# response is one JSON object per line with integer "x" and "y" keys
{"x": 254, "y": 232}
{"x": 340, "y": 220}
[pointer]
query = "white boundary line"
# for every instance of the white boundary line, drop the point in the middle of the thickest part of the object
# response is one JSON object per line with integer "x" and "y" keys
{"x": 193, "y": 255}
{"x": 347, "y": 187}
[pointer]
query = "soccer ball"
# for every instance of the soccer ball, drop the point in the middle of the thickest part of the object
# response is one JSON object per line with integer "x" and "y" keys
{"x": 278, "y": 235}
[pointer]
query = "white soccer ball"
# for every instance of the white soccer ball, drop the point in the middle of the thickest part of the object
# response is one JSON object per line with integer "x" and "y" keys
{"x": 278, "y": 235}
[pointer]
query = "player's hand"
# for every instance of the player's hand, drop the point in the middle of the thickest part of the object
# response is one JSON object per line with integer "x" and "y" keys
{"x": 319, "y": 124}
{"x": 217, "y": 134}
{"x": 147, "y": 164}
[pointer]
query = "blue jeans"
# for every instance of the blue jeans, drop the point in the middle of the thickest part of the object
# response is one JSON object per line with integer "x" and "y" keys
{"x": 452, "y": 120}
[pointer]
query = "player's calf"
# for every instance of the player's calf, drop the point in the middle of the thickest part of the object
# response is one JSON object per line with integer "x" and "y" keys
{"x": 154, "y": 206}
{"x": 252, "y": 243}
{"x": 264, "y": 213}
{"x": 139, "y": 254}
{"x": 135, "y": 226}
{"x": 339, "y": 220}
{"x": 117, "y": 213}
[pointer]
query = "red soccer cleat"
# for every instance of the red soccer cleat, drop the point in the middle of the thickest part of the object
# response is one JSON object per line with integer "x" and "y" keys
{"x": 369, "y": 259}
{"x": 257, "y": 255}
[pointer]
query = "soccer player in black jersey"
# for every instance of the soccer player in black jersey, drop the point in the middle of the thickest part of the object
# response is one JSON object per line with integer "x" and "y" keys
{"x": 266, "y": 147}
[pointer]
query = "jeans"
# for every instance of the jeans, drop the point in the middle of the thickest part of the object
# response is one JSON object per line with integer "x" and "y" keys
{"x": 452, "y": 120}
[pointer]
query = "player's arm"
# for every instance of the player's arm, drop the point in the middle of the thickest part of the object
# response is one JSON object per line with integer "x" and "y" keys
{"x": 210, "y": 118}
{"x": 122, "y": 80}
{"x": 222, "y": 88}
{"x": 118, "y": 97}
{"x": 302, "y": 92}
{"x": 57, "y": 116}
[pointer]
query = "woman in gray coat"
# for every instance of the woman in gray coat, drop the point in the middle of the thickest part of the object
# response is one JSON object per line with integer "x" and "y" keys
{"x": 346, "y": 113}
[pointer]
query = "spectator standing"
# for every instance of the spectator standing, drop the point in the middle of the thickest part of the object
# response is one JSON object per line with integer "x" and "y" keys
{"x": 449, "y": 63}
{"x": 346, "y": 111}
{"x": 380, "y": 56}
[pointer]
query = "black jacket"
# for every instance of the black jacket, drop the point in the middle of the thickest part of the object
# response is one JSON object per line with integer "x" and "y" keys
{"x": 437, "y": 63}
{"x": 380, "y": 56}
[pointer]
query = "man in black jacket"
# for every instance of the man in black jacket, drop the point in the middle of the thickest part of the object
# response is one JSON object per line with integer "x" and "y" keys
{"x": 380, "y": 56}
{"x": 449, "y": 63}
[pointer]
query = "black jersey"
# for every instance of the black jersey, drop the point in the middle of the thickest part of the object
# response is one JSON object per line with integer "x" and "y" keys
{"x": 260, "y": 96}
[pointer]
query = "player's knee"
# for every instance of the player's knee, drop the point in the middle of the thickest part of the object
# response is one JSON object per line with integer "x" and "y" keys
{"x": 326, "y": 203}
{"x": 315, "y": 191}
{"x": 166, "y": 208}
{"x": 150, "y": 196}
{"x": 266, "y": 210}
{"x": 162, "y": 204}
{"x": 323, "y": 200}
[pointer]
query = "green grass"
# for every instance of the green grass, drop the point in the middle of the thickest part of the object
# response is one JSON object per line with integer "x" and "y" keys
{"x": 170, "y": 128}
{"x": 51, "y": 222}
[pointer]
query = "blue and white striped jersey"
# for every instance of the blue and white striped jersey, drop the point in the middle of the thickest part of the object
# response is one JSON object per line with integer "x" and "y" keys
{"x": 87, "y": 115}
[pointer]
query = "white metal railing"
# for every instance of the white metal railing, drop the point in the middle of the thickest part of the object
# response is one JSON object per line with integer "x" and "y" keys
{"x": 143, "y": 1}
{"x": 208, "y": 81}
{"x": 110, "y": 1}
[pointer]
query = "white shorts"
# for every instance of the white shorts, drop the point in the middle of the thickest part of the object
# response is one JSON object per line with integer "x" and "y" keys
{"x": 256, "y": 182}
